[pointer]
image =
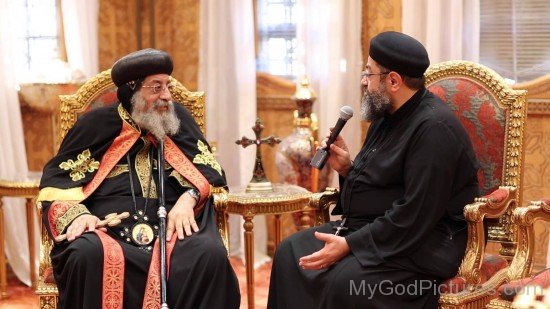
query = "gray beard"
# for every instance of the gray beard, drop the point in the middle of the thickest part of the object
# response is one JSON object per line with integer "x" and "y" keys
{"x": 375, "y": 105}
{"x": 159, "y": 124}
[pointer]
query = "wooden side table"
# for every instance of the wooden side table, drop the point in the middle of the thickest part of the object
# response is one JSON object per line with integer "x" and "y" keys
{"x": 283, "y": 199}
{"x": 26, "y": 190}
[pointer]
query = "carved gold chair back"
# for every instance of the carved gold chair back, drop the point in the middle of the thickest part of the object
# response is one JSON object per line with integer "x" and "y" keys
{"x": 96, "y": 92}
{"x": 494, "y": 115}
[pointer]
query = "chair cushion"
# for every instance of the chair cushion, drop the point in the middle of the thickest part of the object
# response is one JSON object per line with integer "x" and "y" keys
{"x": 536, "y": 282}
{"x": 478, "y": 111}
{"x": 490, "y": 265}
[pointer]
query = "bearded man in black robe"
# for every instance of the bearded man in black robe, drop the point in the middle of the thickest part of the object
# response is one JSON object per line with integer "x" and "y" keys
{"x": 402, "y": 198}
{"x": 106, "y": 164}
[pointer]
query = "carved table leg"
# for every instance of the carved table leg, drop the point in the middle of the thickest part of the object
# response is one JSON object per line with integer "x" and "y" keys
{"x": 278, "y": 230}
{"x": 30, "y": 232}
{"x": 3, "y": 271}
{"x": 249, "y": 258}
{"x": 305, "y": 219}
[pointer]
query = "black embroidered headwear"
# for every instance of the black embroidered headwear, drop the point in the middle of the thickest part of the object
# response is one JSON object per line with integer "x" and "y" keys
{"x": 129, "y": 71}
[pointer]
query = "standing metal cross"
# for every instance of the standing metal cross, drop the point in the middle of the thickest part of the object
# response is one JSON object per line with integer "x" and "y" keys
{"x": 259, "y": 181}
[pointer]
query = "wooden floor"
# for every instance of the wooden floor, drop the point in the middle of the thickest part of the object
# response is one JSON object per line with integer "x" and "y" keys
{"x": 22, "y": 297}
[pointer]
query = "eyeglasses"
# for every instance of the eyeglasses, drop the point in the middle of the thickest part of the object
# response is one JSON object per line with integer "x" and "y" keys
{"x": 367, "y": 74}
{"x": 158, "y": 88}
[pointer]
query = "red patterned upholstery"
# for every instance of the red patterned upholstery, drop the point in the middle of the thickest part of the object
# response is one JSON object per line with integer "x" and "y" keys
{"x": 510, "y": 290}
{"x": 478, "y": 111}
{"x": 494, "y": 116}
{"x": 105, "y": 99}
{"x": 491, "y": 265}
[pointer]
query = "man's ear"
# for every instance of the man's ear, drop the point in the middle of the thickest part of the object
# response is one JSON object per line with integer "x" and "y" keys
{"x": 395, "y": 79}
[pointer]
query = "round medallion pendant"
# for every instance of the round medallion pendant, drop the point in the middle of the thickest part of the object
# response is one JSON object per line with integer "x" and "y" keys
{"x": 142, "y": 234}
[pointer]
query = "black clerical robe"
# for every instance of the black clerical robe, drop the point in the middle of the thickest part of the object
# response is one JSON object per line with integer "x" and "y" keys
{"x": 403, "y": 200}
{"x": 91, "y": 174}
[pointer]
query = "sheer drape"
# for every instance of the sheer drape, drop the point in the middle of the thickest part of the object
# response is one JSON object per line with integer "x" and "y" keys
{"x": 448, "y": 29}
{"x": 227, "y": 73}
{"x": 80, "y": 25}
{"x": 13, "y": 160}
{"x": 330, "y": 34}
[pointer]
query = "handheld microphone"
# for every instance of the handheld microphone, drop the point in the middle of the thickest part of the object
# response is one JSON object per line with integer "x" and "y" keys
{"x": 321, "y": 156}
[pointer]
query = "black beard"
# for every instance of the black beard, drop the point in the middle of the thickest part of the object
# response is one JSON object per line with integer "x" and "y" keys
{"x": 375, "y": 105}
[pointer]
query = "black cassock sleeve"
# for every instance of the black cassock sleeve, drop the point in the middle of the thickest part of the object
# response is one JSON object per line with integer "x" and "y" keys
{"x": 430, "y": 165}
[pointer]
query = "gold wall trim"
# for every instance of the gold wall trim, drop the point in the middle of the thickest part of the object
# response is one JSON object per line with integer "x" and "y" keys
{"x": 538, "y": 95}
{"x": 535, "y": 107}
{"x": 276, "y": 102}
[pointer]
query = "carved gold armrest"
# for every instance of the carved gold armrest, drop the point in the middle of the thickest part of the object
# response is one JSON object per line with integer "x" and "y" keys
{"x": 220, "y": 196}
{"x": 474, "y": 298}
{"x": 490, "y": 206}
{"x": 525, "y": 218}
{"x": 321, "y": 202}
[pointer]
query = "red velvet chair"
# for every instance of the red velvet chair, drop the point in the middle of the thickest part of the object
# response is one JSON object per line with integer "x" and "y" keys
{"x": 494, "y": 116}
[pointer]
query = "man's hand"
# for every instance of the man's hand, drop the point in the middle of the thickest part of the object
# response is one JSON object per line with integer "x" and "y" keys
{"x": 182, "y": 218}
{"x": 339, "y": 158}
{"x": 83, "y": 223}
{"x": 336, "y": 247}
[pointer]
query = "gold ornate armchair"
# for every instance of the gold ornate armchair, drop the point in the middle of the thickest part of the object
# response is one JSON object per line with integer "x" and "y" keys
{"x": 494, "y": 116}
{"x": 525, "y": 218}
{"x": 101, "y": 91}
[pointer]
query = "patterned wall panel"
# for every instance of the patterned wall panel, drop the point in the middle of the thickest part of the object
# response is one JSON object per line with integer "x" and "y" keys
{"x": 536, "y": 176}
{"x": 378, "y": 16}
{"x": 175, "y": 29}
{"x": 117, "y": 31}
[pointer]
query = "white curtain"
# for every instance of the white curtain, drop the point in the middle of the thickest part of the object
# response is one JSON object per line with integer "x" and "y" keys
{"x": 449, "y": 29}
{"x": 13, "y": 161}
{"x": 227, "y": 73}
{"x": 80, "y": 25}
{"x": 329, "y": 33}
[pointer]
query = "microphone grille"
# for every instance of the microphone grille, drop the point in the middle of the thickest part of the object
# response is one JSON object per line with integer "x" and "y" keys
{"x": 346, "y": 112}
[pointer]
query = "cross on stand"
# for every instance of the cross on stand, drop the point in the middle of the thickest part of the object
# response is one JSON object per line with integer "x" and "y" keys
{"x": 259, "y": 181}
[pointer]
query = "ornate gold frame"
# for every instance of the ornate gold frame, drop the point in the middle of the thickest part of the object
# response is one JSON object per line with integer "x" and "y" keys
{"x": 524, "y": 218}
{"x": 494, "y": 205}
{"x": 73, "y": 105}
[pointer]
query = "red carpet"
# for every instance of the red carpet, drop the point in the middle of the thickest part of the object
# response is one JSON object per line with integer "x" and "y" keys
{"x": 22, "y": 297}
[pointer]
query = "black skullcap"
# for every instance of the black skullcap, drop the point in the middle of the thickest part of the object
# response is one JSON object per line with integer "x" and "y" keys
{"x": 135, "y": 67}
{"x": 141, "y": 64}
{"x": 400, "y": 53}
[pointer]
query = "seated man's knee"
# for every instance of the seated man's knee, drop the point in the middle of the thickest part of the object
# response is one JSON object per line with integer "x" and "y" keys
{"x": 208, "y": 249}
{"x": 215, "y": 250}
{"x": 86, "y": 251}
